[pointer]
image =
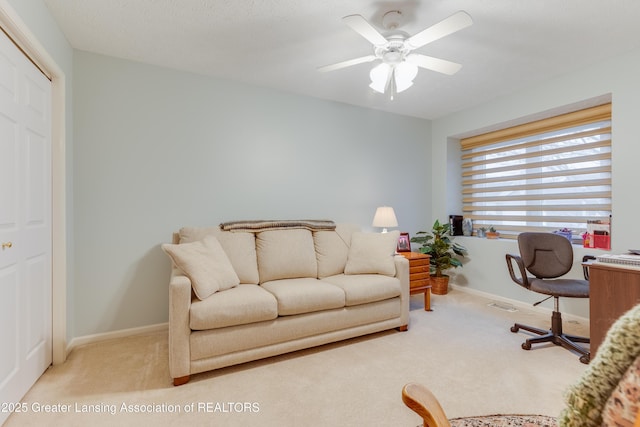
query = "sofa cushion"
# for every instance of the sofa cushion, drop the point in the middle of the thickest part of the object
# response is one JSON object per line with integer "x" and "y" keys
{"x": 238, "y": 344}
{"x": 205, "y": 263}
{"x": 237, "y": 306}
{"x": 285, "y": 254}
{"x": 372, "y": 253}
{"x": 365, "y": 288}
{"x": 240, "y": 248}
{"x": 304, "y": 295}
{"x": 332, "y": 248}
{"x": 623, "y": 405}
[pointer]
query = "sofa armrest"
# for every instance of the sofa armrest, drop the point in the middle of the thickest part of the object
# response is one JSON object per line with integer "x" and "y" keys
{"x": 402, "y": 273}
{"x": 179, "y": 329}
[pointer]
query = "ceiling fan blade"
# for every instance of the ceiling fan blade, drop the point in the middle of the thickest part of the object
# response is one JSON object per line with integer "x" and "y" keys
{"x": 365, "y": 29}
{"x": 450, "y": 25}
{"x": 434, "y": 64}
{"x": 349, "y": 63}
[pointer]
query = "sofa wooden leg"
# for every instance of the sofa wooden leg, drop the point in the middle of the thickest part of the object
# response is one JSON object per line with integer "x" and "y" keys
{"x": 181, "y": 380}
{"x": 403, "y": 328}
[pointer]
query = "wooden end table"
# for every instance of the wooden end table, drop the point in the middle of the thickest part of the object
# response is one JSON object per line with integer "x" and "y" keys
{"x": 419, "y": 276}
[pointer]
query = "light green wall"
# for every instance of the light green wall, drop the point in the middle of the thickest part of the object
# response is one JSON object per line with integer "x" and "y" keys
{"x": 486, "y": 269}
{"x": 157, "y": 149}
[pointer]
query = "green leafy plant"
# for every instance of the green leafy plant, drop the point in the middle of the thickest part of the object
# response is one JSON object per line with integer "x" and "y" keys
{"x": 440, "y": 246}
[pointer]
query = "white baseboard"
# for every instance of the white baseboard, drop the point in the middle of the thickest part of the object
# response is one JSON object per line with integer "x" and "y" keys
{"x": 519, "y": 304}
{"x": 122, "y": 333}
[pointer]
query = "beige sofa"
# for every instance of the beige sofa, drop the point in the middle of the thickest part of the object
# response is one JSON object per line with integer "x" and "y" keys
{"x": 238, "y": 296}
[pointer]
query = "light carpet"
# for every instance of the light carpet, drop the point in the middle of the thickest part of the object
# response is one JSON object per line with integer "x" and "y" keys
{"x": 462, "y": 350}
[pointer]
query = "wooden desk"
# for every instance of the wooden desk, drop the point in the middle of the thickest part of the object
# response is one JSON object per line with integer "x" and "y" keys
{"x": 613, "y": 290}
{"x": 419, "y": 277}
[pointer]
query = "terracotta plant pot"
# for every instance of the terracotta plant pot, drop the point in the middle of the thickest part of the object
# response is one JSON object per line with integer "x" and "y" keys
{"x": 493, "y": 235}
{"x": 440, "y": 285}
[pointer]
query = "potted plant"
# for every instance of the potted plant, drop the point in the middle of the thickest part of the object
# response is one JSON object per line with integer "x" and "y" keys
{"x": 443, "y": 251}
{"x": 492, "y": 233}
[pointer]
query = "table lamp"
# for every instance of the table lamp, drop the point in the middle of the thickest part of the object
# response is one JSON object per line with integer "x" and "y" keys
{"x": 385, "y": 217}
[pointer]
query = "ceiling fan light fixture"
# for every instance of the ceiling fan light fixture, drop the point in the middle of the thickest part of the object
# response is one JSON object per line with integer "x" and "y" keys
{"x": 402, "y": 86}
{"x": 379, "y": 76}
{"x": 404, "y": 73}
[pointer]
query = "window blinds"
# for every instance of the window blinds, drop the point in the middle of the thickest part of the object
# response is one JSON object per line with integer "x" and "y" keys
{"x": 540, "y": 176}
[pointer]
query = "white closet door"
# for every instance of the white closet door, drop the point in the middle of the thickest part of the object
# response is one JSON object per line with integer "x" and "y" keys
{"x": 25, "y": 224}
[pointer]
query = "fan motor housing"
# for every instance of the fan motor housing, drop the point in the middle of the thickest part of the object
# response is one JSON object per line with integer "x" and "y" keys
{"x": 394, "y": 51}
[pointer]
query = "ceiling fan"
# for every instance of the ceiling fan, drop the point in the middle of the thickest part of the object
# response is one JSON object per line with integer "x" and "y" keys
{"x": 399, "y": 66}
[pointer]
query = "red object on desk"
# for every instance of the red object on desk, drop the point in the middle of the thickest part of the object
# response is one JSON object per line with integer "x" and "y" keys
{"x": 596, "y": 241}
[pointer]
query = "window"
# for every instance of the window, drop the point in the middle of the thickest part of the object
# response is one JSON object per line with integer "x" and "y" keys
{"x": 541, "y": 176}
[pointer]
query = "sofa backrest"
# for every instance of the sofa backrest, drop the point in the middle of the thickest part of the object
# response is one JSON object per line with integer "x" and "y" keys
{"x": 332, "y": 248}
{"x": 279, "y": 254}
{"x": 286, "y": 254}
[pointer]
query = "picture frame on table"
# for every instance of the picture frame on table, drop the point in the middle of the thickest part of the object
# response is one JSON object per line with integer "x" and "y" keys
{"x": 404, "y": 243}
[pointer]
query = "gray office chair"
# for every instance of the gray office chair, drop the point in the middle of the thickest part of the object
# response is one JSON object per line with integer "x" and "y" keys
{"x": 548, "y": 256}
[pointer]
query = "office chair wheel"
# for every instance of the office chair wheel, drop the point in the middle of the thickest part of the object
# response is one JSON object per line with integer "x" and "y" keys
{"x": 586, "y": 358}
{"x": 514, "y": 329}
{"x": 526, "y": 345}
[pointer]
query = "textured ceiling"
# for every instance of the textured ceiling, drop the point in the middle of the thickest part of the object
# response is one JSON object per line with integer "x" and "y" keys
{"x": 279, "y": 43}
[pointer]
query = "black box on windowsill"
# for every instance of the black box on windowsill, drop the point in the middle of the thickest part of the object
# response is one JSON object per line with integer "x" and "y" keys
{"x": 455, "y": 224}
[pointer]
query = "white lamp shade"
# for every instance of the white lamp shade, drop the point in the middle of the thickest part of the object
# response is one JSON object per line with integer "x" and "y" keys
{"x": 404, "y": 73}
{"x": 379, "y": 76}
{"x": 385, "y": 217}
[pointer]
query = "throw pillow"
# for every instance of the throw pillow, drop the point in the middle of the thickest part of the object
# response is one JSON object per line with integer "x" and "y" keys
{"x": 622, "y": 407}
{"x": 205, "y": 263}
{"x": 372, "y": 253}
{"x": 240, "y": 247}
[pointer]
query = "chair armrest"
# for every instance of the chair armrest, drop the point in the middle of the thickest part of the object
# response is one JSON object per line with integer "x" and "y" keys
{"x": 523, "y": 280}
{"x": 420, "y": 399}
